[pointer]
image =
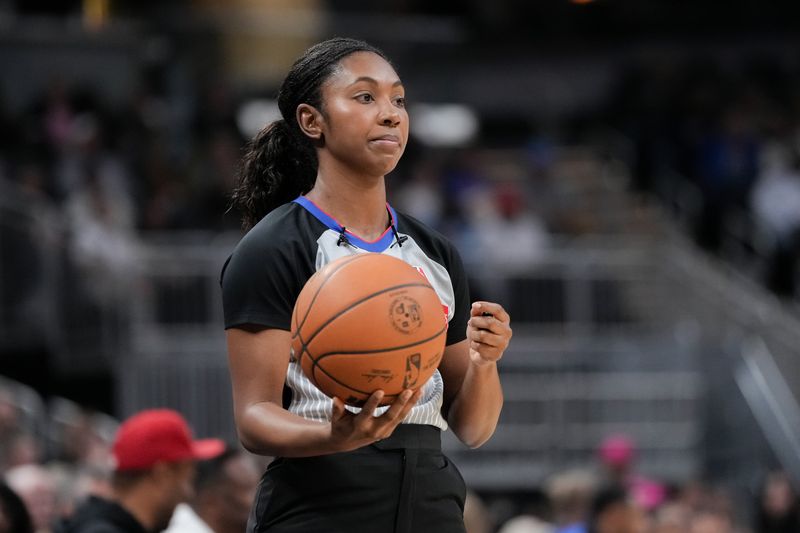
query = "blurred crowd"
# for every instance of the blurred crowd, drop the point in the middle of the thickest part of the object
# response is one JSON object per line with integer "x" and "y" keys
{"x": 82, "y": 185}
{"x": 59, "y": 470}
{"x": 74, "y": 466}
{"x": 612, "y": 496}
{"x": 718, "y": 139}
{"x": 117, "y": 174}
{"x": 718, "y": 142}
{"x": 576, "y": 504}
{"x": 139, "y": 167}
{"x": 110, "y": 174}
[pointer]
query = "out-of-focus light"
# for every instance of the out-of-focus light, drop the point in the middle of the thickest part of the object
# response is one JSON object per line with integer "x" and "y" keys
{"x": 253, "y": 115}
{"x": 581, "y": 2}
{"x": 96, "y": 13}
{"x": 443, "y": 125}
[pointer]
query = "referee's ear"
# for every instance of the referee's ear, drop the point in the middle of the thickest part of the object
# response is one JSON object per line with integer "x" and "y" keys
{"x": 310, "y": 121}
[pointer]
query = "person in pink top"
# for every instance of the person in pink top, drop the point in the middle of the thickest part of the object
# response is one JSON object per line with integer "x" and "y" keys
{"x": 617, "y": 454}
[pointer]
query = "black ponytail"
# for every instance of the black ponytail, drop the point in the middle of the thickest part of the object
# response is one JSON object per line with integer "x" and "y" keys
{"x": 275, "y": 169}
{"x": 280, "y": 162}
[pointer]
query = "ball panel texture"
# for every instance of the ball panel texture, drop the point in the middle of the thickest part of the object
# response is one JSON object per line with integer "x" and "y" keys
{"x": 368, "y": 322}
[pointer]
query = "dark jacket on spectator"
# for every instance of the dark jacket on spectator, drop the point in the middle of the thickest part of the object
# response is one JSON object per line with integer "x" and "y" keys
{"x": 97, "y": 515}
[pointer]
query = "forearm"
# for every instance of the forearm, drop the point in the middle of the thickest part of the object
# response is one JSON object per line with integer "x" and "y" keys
{"x": 258, "y": 369}
{"x": 475, "y": 410}
{"x": 267, "y": 429}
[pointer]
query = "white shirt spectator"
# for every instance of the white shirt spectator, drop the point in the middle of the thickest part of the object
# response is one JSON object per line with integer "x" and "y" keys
{"x": 185, "y": 520}
{"x": 776, "y": 195}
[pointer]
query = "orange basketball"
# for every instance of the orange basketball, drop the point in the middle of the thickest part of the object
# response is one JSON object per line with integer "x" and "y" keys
{"x": 367, "y": 322}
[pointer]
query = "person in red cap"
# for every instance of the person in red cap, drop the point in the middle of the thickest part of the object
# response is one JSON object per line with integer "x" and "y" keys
{"x": 154, "y": 455}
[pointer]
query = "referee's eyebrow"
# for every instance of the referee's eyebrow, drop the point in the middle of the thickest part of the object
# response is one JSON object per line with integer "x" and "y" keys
{"x": 373, "y": 81}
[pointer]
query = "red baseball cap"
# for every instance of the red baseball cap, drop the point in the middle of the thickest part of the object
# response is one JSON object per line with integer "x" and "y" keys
{"x": 159, "y": 435}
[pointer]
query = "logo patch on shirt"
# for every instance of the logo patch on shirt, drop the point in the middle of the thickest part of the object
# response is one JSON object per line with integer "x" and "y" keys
{"x": 445, "y": 308}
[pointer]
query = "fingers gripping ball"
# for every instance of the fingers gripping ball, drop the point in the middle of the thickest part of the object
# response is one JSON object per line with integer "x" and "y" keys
{"x": 367, "y": 322}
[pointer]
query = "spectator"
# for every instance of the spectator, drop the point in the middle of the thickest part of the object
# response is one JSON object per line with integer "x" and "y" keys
{"x": 727, "y": 169}
{"x": 420, "y": 197}
{"x": 22, "y": 448}
{"x": 155, "y": 464}
{"x": 11, "y": 427}
{"x": 777, "y": 506}
{"x": 613, "y": 511}
{"x": 476, "y": 516}
{"x": 9, "y": 412}
{"x": 507, "y": 233}
{"x": 673, "y": 517}
{"x": 711, "y": 521}
{"x": 225, "y": 487}
{"x": 617, "y": 455}
{"x": 776, "y": 207}
{"x": 36, "y": 486}
{"x": 571, "y": 495}
{"x": 525, "y": 524}
{"x": 75, "y": 484}
{"x": 14, "y": 516}
{"x": 103, "y": 244}
{"x": 77, "y": 436}
{"x": 212, "y": 177}
{"x": 533, "y": 516}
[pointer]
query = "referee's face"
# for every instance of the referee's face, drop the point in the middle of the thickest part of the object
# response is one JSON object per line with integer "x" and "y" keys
{"x": 365, "y": 122}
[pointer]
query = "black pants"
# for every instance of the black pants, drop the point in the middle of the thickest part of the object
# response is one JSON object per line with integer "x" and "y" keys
{"x": 402, "y": 484}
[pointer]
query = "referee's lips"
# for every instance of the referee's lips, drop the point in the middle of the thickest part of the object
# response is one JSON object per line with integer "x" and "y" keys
{"x": 387, "y": 139}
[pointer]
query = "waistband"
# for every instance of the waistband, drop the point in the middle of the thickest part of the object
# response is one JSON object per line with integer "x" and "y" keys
{"x": 414, "y": 436}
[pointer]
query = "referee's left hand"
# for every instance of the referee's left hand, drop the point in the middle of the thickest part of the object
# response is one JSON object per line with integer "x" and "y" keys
{"x": 488, "y": 332}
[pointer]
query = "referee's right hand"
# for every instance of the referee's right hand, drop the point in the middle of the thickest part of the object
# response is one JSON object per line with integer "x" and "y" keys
{"x": 354, "y": 430}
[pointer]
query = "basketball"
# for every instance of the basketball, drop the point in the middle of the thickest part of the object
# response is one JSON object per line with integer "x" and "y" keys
{"x": 366, "y": 322}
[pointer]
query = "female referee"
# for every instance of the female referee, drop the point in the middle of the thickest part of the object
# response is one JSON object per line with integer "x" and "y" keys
{"x": 312, "y": 189}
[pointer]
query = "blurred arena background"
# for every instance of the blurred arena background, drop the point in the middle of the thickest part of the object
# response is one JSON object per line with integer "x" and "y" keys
{"x": 623, "y": 175}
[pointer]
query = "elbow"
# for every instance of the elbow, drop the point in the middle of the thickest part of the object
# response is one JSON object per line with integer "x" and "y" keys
{"x": 476, "y": 437}
{"x": 480, "y": 441}
{"x": 251, "y": 434}
{"x": 250, "y": 444}
{"x": 474, "y": 431}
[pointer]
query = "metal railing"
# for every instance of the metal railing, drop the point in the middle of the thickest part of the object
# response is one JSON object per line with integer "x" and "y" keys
{"x": 775, "y": 407}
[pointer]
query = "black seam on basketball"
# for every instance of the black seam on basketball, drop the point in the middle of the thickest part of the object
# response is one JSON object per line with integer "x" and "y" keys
{"x": 392, "y": 349}
{"x": 303, "y": 349}
{"x": 315, "y": 361}
{"x": 362, "y": 300}
{"x": 344, "y": 385}
{"x": 314, "y": 298}
{"x": 348, "y": 387}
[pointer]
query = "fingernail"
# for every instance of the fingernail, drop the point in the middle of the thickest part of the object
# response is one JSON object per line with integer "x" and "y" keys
{"x": 407, "y": 395}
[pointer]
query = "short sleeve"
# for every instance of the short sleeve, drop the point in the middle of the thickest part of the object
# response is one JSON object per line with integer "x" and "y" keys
{"x": 260, "y": 283}
{"x": 457, "y": 329}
